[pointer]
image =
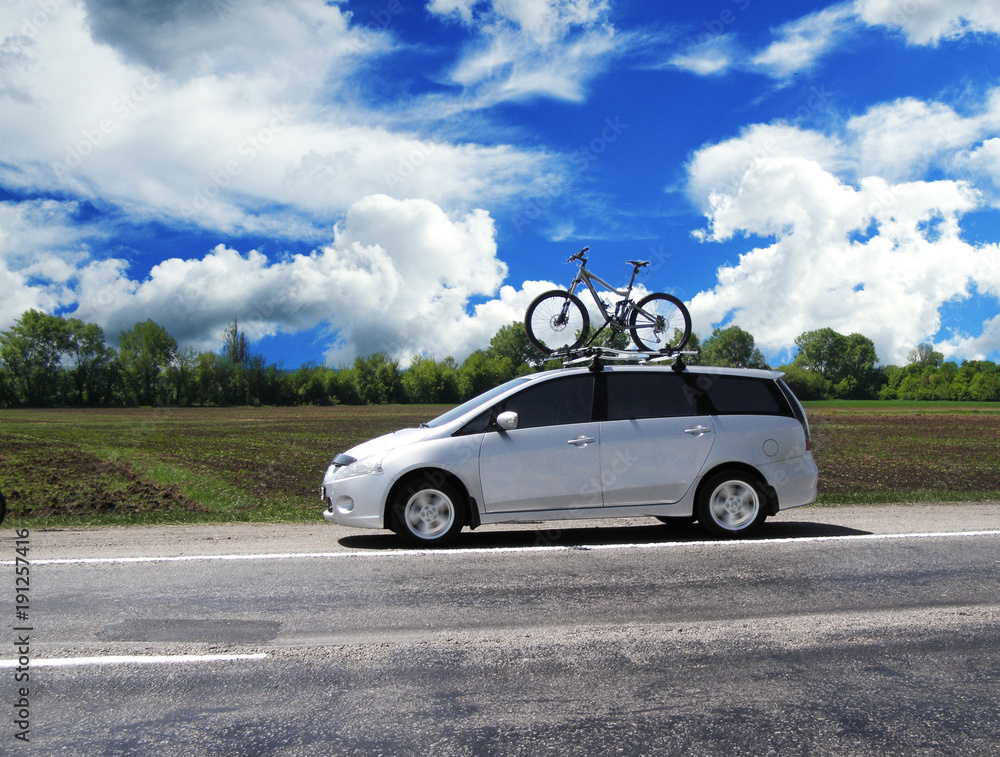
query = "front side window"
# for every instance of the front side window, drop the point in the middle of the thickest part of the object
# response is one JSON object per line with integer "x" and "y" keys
{"x": 558, "y": 402}
{"x": 458, "y": 412}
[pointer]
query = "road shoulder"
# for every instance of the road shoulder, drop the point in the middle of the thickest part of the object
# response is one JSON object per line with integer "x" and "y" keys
{"x": 284, "y": 538}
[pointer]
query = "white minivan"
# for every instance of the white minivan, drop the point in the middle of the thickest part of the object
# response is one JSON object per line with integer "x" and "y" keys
{"x": 727, "y": 447}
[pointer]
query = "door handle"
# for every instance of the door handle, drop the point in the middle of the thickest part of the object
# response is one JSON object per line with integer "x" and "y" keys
{"x": 697, "y": 430}
{"x": 581, "y": 441}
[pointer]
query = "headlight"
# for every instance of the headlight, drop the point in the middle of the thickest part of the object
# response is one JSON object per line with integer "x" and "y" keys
{"x": 364, "y": 467}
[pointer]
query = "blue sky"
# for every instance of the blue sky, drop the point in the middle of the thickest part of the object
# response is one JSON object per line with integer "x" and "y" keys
{"x": 401, "y": 176}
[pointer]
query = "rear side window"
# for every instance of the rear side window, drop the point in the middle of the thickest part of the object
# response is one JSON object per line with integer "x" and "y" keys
{"x": 649, "y": 395}
{"x": 738, "y": 395}
{"x": 562, "y": 401}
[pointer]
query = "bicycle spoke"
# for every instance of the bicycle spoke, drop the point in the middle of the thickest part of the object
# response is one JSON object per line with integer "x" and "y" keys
{"x": 555, "y": 321}
{"x": 660, "y": 322}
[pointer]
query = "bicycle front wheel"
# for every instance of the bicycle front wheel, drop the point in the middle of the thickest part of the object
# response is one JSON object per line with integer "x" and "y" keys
{"x": 556, "y": 320}
{"x": 660, "y": 323}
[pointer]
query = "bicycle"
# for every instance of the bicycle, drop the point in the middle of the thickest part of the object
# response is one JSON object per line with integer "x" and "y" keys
{"x": 557, "y": 320}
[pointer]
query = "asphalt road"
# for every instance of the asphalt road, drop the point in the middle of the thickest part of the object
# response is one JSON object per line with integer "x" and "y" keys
{"x": 848, "y": 631}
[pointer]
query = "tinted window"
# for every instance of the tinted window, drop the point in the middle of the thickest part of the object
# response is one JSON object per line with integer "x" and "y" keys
{"x": 458, "y": 412}
{"x": 736, "y": 395}
{"x": 649, "y": 395}
{"x": 568, "y": 400}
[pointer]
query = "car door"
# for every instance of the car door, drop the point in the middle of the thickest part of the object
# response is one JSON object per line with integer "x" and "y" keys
{"x": 551, "y": 461}
{"x": 653, "y": 443}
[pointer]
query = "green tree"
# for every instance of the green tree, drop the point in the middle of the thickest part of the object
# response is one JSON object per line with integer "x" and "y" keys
{"x": 92, "y": 363}
{"x": 512, "y": 342}
{"x": 145, "y": 352}
{"x": 732, "y": 347}
{"x": 235, "y": 345}
{"x": 181, "y": 378}
{"x": 893, "y": 376}
{"x": 240, "y": 367}
{"x": 925, "y": 356}
{"x": 7, "y": 395}
{"x": 377, "y": 378}
{"x": 308, "y": 385}
{"x": 985, "y": 387}
{"x": 342, "y": 386}
{"x": 430, "y": 381}
{"x": 481, "y": 371}
{"x": 207, "y": 386}
{"x": 846, "y": 363}
{"x": 32, "y": 351}
{"x": 693, "y": 344}
{"x": 807, "y": 385}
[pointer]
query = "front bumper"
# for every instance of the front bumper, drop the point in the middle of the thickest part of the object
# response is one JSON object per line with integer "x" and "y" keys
{"x": 356, "y": 502}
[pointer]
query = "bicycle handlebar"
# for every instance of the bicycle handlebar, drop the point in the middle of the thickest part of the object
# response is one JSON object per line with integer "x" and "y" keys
{"x": 581, "y": 255}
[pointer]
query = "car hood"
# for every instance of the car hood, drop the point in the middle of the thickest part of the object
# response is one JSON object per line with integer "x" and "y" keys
{"x": 388, "y": 442}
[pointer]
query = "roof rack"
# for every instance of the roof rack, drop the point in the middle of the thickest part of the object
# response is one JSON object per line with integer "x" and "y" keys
{"x": 597, "y": 357}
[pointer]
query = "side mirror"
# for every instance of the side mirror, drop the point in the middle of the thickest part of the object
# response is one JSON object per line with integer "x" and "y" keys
{"x": 507, "y": 421}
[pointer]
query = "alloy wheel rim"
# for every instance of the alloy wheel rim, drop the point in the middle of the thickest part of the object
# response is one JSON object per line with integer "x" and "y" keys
{"x": 734, "y": 504}
{"x": 429, "y": 513}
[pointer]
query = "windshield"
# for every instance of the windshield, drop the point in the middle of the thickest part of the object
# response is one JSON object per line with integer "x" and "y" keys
{"x": 482, "y": 399}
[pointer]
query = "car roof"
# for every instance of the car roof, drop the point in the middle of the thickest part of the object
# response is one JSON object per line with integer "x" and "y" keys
{"x": 634, "y": 368}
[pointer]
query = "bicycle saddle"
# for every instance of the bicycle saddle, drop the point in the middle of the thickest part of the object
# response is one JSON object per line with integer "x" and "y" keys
{"x": 638, "y": 263}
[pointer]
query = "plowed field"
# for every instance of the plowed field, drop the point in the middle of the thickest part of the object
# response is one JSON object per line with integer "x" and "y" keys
{"x": 62, "y": 467}
{"x": 878, "y": 456}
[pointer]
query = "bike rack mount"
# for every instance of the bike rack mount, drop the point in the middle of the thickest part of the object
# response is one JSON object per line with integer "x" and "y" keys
{"x": 597, "y": 357}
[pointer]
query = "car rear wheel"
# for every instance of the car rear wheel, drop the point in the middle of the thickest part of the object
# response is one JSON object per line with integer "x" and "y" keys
{"x": 428, "y": 512}
{"x": 732, "y": 503}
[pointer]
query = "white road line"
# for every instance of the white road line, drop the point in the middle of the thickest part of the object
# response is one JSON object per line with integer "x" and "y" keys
{"x": 71, "y": 662}
{"x": 506, "y": 550}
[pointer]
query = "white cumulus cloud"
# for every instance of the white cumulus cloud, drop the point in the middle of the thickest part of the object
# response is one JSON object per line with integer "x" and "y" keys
{"x": 853, "y": 240}
{"x": 399, "y": 276}
{"x": 165, "y": 124}
{"x": 928, "y": 22}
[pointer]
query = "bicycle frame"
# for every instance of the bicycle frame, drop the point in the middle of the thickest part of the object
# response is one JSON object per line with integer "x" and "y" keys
{"x": 622, "y": 308}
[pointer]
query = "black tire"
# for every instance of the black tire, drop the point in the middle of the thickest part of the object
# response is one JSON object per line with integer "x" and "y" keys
{"x": 732, "y": 504}
{"x": 549, "y": 328}
{"x": 427, "y": 512}
{"x": 660, "y": 323}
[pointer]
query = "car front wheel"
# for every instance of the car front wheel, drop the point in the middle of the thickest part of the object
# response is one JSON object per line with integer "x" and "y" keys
{"x": 428, "y": 513}
{"x": 732, "y": 503}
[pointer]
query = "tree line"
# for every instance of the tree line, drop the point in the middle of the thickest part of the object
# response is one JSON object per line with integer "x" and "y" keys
{"x": 54, "y": 361}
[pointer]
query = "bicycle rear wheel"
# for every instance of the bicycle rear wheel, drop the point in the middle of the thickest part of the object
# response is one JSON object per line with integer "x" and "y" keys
{"x": 556, "y": 320}
{"x": 660, "y": 323}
